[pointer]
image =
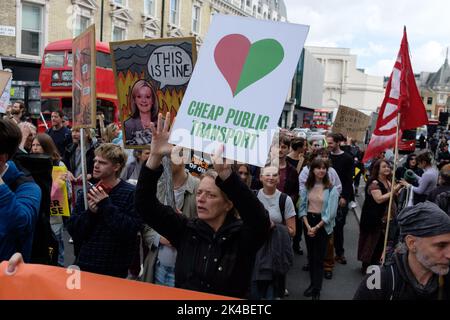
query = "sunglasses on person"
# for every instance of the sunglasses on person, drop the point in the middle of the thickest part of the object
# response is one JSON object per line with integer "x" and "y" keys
{"x": 274, "y": 175}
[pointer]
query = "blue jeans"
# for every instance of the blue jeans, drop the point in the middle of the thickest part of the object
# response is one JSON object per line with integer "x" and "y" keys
{"x": 164, "y": 275}
{"x": 58, "y": 231}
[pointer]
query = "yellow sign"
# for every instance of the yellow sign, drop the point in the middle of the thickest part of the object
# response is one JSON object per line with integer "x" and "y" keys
{"x": 59, "y": 205}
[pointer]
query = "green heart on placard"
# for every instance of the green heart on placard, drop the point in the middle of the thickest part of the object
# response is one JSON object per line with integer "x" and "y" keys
{"x": 263, "y": 57}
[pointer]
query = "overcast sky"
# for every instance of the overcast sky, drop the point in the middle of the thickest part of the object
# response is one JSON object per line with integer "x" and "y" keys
{"x": 373, "y": 29}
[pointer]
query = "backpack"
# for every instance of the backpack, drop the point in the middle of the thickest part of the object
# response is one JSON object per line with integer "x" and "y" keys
{"x": 38, "y": 168}
{"x": 442, "y": 200}
{"x": 282, "y": 205}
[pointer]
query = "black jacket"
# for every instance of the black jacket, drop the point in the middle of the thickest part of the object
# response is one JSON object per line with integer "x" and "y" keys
{"x": 343, "y": 164}
{"x": 291, "y": 186}
{"x": 397, "y": 282}
{"x": 216, "y": 262}
{"x": 45, "y": 244}
{"x": 400, "y": 172}
{"x": 69, "y": 157}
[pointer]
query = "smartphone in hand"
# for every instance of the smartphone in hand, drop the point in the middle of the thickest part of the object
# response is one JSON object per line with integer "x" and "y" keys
{"x": 105, "y": 188}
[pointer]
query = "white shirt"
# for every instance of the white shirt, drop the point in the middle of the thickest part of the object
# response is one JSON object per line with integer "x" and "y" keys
{"x": 272, "y": 205}
{"x": 179, "y": 196}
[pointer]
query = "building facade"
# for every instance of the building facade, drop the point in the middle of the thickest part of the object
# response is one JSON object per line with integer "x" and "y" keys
{"x": 345, "y": 84}
{"x": 434, "y": 89}
{"x": 27, "y": 26}
{"x": 307, "y": 90}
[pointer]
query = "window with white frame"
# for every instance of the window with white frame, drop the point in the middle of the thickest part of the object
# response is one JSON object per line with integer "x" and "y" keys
{"x": 149, "y": 7}
{"x": 174, "y": 11}
{"x": 196, "y": 19}
{"x": 120, "y": 2}
{"x": 150, "y": 33}
{"x": 118, "y": 33}
{"x": 32, "y": 29}
{"x": 81, "y": 23}
{"x": 213, "y": 12}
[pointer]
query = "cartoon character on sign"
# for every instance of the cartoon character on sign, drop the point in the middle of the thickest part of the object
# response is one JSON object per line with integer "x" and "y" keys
{"x": 144, "y": 110}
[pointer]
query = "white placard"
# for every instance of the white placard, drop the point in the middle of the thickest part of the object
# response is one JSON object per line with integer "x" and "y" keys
{"x": 239, "y": 86}
{"x": 7, "y": 31}
{"x": 5, "y": 90}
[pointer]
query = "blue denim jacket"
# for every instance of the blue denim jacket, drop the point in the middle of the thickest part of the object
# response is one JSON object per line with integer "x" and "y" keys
{"x": 329, "y": 207}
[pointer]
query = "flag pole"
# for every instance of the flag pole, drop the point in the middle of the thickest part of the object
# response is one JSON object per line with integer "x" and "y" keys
{"x": 391, "y": 198}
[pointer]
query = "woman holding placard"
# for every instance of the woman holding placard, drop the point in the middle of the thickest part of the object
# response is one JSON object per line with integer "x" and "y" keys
{"x": 216, "y": 251}
{"x": 144, "y": 110}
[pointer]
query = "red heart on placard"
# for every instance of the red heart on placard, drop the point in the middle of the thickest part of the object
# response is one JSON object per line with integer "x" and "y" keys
{"x": 230, "y": 55}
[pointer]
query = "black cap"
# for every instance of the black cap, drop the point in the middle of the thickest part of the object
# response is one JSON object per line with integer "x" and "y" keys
{"x": 425, "y": 219}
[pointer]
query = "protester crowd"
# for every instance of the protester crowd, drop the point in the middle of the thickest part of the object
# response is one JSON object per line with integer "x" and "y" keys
{"x": 234, "y": 230}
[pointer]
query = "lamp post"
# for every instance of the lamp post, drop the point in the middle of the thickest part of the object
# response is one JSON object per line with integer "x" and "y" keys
{"x": 101, "y": 21}
{"x": 163, "y": 7}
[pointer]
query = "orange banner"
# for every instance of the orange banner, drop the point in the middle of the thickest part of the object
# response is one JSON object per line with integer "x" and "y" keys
{"x": 39, "y": 282}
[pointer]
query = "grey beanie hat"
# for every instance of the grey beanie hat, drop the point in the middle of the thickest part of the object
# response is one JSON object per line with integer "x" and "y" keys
{"x": 425, "y": 219}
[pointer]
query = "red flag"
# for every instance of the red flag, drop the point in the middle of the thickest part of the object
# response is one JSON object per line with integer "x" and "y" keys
{"x": 401, "y": 94}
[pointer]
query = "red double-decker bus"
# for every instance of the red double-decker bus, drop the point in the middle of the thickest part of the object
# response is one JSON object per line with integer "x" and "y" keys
{"x": 55, "y": 78}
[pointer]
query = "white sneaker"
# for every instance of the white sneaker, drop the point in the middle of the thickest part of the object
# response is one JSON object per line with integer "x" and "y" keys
{"x": 70, "y": 240}
{"x": 353, "y": 204}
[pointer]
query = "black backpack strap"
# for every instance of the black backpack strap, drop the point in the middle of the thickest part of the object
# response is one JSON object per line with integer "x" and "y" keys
{"x": 392, "y": 274}
{"x": 391, "y": 280}
{"x": 282, "y": 204}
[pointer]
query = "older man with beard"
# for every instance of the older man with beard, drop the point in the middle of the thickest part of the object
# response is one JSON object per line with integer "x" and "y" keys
{"x": 419, "y": 270}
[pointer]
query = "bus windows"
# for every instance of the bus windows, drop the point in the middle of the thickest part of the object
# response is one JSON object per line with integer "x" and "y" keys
{"x": 409, "y": 135}
{"x": 49, "y": 105}
{"x": 54, "y": 59}
{"x": 67, "y": 107}
{"x": 107, "y": 108}
{"x": 103, "y": 60}
{"x": 69, "y": 59}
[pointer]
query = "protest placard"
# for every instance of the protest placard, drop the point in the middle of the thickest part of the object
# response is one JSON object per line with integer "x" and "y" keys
{"x": 84, "y": 105}
{"x": 59, "y": 205}
{"x": 239, "y": 87}
{"x": 351, "y": 123}
{"x": 5, "y": 89}
{"x": 42, "y": 282}
{"x": 151, "y": 76}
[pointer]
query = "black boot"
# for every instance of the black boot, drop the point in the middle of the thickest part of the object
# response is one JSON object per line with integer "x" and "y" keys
{"x": 315, "y": 295}
{"x": 308, "y": 292}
